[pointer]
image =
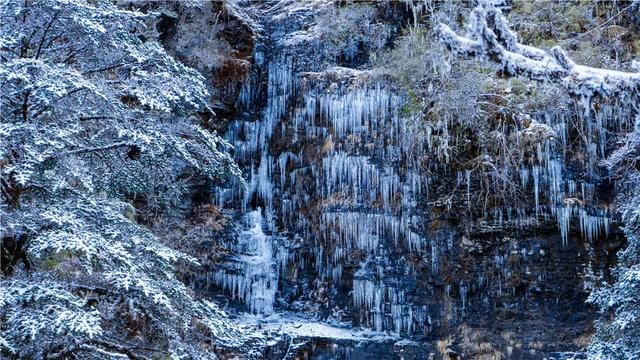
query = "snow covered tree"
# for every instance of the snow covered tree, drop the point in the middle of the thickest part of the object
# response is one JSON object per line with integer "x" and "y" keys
{"x": 619, "y": 303}
{"x": 95, "y": 113}
{"x": 490, "y": 38}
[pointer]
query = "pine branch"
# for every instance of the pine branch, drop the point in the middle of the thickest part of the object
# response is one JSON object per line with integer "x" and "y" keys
{"x": 98, "y": 148}
{"x": 89, "y": 150}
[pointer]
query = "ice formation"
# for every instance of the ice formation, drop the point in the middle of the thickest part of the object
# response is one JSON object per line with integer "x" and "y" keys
{"x": 251, "y": 276}
{"x": 372, "y": 297}
{"x": 332, "y": 160}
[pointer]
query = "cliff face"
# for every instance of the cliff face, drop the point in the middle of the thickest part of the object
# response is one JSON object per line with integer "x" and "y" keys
{"x": 348, "y": 217}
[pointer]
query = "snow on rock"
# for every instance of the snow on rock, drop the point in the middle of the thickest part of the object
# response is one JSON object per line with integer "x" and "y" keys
{"x": 298, "y": 327}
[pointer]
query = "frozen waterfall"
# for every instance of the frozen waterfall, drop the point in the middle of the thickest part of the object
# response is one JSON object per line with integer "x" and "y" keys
{"x": 254, "y": 275}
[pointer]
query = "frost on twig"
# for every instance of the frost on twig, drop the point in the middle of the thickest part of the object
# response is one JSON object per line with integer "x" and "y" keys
{"x": 491, "y": 38}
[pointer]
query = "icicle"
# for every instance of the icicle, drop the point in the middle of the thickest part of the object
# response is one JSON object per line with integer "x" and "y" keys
{"x": 563, "y": 214}
{"x": 467, "y": 174}
{"x": 536, "y": 186}
{"x": 591, "y": 225}
{"x": 434, "y": 258}
{"x": 364, "y": 231}
{"x": 524, "y": 177}
{"x": 463, "y": 296}
{"x": 372, "y": 296}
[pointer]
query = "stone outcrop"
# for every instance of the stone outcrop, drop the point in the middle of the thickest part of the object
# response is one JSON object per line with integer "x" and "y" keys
{"x": 351, "y": 228}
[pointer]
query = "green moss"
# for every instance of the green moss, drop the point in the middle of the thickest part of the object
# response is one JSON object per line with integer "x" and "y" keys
{"x": 523, "y": 6}
{"x": 518, "y": 87}
{"x": 412, "y": 105}
{"x": 54, "y": 259}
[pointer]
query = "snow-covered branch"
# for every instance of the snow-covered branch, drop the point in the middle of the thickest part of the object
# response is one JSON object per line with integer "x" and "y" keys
{"x": 85, "y": 150}
{"x": 491, "y": 38}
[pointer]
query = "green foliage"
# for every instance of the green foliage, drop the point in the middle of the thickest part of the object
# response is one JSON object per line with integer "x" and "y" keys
{"x": 412, "y": 105}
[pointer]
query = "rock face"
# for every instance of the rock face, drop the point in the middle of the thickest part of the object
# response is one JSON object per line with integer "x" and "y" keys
{"x": 342, "y": 222}
{"x": 214, "y": 39}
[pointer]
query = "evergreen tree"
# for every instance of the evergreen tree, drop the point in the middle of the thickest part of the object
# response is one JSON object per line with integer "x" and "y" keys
{"x": 617, "y": 331}
{"x": 95, "y": 112}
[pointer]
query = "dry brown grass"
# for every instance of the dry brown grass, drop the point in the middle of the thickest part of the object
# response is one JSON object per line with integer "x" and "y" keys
{"x": 582, "y": 341}
{"x": 442, "y": 346}
{"x": 476, "y": 344}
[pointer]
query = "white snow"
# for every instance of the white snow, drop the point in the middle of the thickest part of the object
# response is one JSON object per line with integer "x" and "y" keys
{"x": 298, "y": 327}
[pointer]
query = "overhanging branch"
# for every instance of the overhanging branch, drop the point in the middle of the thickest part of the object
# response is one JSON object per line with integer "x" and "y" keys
{"x": 491, "y": 38}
